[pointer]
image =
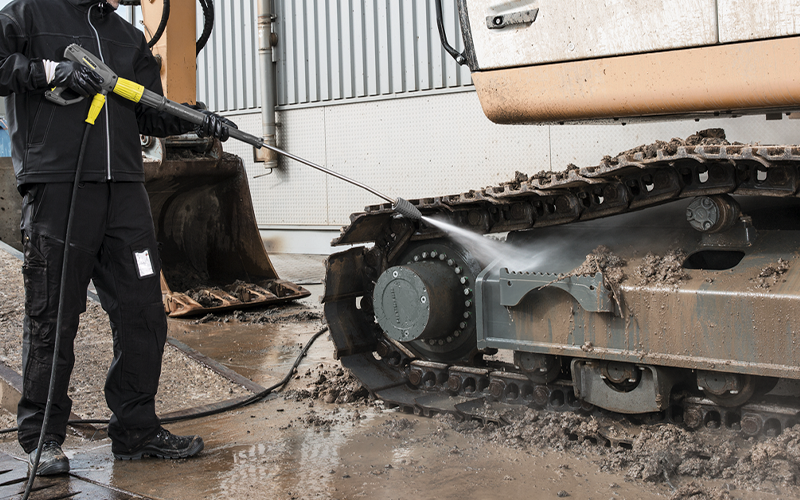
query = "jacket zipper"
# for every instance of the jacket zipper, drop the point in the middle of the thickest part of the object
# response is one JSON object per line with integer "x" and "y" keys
{"x": 105, "y": 108}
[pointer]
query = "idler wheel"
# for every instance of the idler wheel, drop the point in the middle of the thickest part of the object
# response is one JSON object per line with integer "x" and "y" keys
{"x": 417, "y": 301}
{"x": 726, "y": 389}
{"x": 540, "y": 368}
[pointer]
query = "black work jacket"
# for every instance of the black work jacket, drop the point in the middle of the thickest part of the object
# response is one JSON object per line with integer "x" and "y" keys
{"x": 46, "y": 137}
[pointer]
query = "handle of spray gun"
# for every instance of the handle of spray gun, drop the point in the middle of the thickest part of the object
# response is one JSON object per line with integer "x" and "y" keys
{"x": 77, "y": 53}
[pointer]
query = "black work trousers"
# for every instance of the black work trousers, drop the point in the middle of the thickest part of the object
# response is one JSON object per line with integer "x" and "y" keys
{"x": 113, "y": 243}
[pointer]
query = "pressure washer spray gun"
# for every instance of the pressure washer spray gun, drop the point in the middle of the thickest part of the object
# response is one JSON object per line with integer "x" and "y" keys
{"x": 137, "y": 93}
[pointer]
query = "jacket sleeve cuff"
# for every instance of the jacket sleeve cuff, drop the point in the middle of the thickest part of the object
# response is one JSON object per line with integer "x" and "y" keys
{"x": 38, "y": 74}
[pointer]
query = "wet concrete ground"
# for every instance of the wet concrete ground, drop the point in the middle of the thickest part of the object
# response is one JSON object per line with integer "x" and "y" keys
{"x": 274, "y": 450}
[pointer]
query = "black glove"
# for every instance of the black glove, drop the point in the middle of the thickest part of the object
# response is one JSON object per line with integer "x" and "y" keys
{"x": 78, "y": 78}
{"x": 214, "y": 126}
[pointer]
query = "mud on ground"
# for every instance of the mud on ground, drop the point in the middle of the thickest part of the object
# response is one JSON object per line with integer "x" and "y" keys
{"x": 184, "y": 382}
{"x": 704, "y": 464}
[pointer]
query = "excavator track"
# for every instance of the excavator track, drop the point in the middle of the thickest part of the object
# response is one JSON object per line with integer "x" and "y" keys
{"x": 427, "y": 382}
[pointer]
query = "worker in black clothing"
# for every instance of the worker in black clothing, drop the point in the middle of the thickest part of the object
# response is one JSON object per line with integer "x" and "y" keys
{"x": 113, "y": 240}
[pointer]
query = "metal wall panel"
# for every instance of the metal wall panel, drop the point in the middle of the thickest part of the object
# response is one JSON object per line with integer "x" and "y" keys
{"x": 424, "y": 146}
{"x": 334, "y": 50}
{"x": 227, "y": 68}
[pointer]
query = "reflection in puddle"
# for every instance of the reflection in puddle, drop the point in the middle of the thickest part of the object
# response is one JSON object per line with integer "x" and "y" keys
{"x": 261, "y": 352}
{"x": 298, "y": 465}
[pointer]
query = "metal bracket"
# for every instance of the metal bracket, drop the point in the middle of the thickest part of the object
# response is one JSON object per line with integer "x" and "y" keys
{"x": 651, "y": 395}
{"x": 743, "y": 234}
{"x": 589, "y": 291}
{"x": 515, "y": 18}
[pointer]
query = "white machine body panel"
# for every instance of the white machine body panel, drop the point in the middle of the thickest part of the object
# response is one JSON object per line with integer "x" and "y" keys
{"x": 570, "y": 30}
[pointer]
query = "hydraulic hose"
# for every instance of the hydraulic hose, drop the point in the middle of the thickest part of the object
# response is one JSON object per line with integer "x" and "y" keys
{"x": 94, "y": 110}
{"x": 162, "y": 25}
{"x": 208, "y": 24}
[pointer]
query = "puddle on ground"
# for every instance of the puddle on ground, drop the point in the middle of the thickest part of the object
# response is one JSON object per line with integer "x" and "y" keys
{"x": 261, "y": 352}
{"x": 262, "y": 452}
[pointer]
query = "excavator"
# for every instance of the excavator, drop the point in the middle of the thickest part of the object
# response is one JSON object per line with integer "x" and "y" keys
{"x": 662, "y": 283}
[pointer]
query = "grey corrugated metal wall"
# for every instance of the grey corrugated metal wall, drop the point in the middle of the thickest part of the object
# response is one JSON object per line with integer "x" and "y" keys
{"x": 328, "y": 51}
{"x": 227, "y": 69}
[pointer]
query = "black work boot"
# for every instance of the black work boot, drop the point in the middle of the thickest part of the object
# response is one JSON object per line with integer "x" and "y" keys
{"x": 52, "y": 460}
{"x": 165, "y": 445}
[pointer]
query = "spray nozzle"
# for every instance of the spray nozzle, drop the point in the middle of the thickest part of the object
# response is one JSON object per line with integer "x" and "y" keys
{"x": 406, "y": 209}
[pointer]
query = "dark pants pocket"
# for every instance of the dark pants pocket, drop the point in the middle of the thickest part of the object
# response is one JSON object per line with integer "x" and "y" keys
{"x": 34, "y": 276}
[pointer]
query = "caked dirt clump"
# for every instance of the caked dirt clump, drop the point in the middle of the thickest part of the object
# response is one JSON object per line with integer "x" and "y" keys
{"x": 333, "y": 386}
{"x": 528, "y": 429}
{"x": 204, "y": 298}
{"x": 771, "y": 274}
{"x": 707, "y": 137}
{"x": 546, "y": 177}
{"x": 602, "y": 259}
{"x": 662, "y": 452}
{"x": 517, "y": 181}
{"x": 667, "y": 270}
{"x": 279, "y": 314}
{"x": 695, "y": 491}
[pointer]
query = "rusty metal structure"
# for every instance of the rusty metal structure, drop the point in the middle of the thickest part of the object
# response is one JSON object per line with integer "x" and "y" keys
{"x": 662, "y": 281}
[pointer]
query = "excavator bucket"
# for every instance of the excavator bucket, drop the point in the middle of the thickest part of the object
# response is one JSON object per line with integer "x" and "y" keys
{"x": 212, "y": 255}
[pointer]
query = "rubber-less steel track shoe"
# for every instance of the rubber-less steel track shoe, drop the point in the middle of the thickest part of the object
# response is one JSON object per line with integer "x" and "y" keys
{"x": 165, "y": 445}
{"x": 51, "y": 462}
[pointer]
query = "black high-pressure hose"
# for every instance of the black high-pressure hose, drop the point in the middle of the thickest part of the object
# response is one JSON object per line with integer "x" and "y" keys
{"x": 60, "y": 314}
{"x": 233, "y": 406}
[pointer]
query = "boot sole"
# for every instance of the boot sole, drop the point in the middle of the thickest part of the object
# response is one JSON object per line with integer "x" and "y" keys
{"x": 196, "y": 448}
